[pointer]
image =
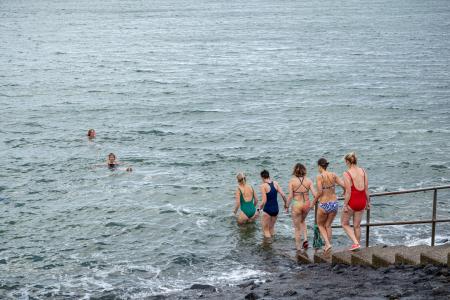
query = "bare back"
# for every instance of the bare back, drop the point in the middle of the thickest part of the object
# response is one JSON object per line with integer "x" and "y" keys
{"x": 246, "y": 191}
{"x": 358, "y": 177}
{"x": 326, "y": 182}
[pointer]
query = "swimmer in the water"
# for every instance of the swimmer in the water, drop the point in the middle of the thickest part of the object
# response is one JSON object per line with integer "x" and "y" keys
{"x": 91, "y": 134}
{"x": 244, "y": 192}
{"x": 269, "y": 203}
{"x": 112, "y": 163}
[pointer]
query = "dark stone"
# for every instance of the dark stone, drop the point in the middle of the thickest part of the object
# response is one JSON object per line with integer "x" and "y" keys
{"x": 289, "y": 293}
{"x": 430, "y": 269}
{"x": 198, "y": 286}
{"x": 440, "y": 291}
{"x": 282, "y": 275}
{"x": 251, "y": 296}
{"x": 246, "y": 284}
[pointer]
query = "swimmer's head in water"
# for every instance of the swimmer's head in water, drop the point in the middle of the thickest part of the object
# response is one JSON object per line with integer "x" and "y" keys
{"x": 265, "y": 174}
{"x": 299, "y": 170}
{"x": 111, "y": 157}
{"x": 241, "y": 177}
{"x": 91, "y": 133}
{"x": 351, "y": 158}
{"x": 323, "y": 163}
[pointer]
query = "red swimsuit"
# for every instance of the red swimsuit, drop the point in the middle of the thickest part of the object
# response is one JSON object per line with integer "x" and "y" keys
{"x": 358, "y": 198}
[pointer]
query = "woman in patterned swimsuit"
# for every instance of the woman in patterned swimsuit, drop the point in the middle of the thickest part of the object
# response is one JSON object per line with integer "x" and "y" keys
{"x": 299, "y": 188}
{"x": 328, "y": 205}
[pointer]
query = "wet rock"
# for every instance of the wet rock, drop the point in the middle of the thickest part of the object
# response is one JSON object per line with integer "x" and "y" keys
{"x": 198, "y": 286}
{"x": 440, "y": 291}
{"x": 430, "y": 269}
{"x": 251, "y": 296}
{"x": 289, "y": 293}
{"x": 246, "y": 284}
{"x": 394, "y": 295}
{"x": 441, "y": 241}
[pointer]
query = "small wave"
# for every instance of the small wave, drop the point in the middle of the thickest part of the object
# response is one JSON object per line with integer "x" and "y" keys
{"x": 155, "y": 132}
{"x": 115, "y": 224}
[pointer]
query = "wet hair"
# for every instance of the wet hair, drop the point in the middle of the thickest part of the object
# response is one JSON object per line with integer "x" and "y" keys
{"x": 299, "y": 170}
{"x": 241, "y": 177}
{"x": 90, "y": 132}
{"x": 265, "y": 174}
{"x": 323, "y": 163}
{"x": 351, "y": 158}
{"x": 112, "y": 154}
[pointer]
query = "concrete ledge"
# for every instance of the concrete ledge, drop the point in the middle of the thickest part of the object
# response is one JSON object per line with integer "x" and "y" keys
{"x": 343, "y": 257}
{"x": 322, "y": 257}
{"x": 386, "y": 256}
{"x": 410, "y": 255}
{"x": 437, "y": 255}
{"x": 363, "y": 257}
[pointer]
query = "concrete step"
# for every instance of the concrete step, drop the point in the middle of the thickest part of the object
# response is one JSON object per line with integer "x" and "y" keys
{"x": 364, "y": 255}
{"x": 323, "y": 257}
{"x": 386, "y": 256}
{"x": 410, "y": 255}
{"x": 437, "y": 255}
{"x": 342, "y": 257}
{"x": 305, "y": 257}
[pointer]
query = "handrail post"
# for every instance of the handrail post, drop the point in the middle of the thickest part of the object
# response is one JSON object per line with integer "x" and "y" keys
{"x": 368, "y": 225}
{"x": 433, "y": 224}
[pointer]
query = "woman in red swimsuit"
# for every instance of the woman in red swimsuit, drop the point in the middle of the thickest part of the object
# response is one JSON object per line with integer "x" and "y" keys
{"x": 356, "y": 199}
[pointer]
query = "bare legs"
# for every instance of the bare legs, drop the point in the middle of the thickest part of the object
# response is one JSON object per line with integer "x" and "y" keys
{"x": 298, "y": 218}
{"x": 268, "y": 225}
{"x": 324, "y": 222}
{"x": 242, "y": 219}
{"x": 353, "y": 233}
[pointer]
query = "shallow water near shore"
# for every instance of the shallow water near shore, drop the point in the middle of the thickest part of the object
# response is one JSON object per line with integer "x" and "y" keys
{"x": 189, "y": 93}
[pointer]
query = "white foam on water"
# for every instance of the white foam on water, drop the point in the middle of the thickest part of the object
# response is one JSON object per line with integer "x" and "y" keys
{"x": 235, "y": 276}
{"x": 201, "y": 223}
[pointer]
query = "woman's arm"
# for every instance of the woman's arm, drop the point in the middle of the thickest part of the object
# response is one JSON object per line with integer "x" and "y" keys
{"x": 319, "y": 190}
{"x": 237, "y": 203}
{"x": 340, "y": 182}
{"x": 313, "y": 190}
{"x": 278, "y": 187}
{"x": 290, "y": 196}
{"x": 263, "y": 196}
{"x": 255, "y": 196}
{"x": 366, "y": 187}
{"x": 347, "y": 187}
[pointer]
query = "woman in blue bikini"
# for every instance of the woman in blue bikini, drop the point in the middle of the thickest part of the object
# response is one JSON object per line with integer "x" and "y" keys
{"x": 328, "y": 205}
{"x": 269, "y": 203}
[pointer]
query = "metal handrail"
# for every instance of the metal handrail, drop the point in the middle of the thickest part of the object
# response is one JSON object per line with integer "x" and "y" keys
{"x": 433, "y": 220}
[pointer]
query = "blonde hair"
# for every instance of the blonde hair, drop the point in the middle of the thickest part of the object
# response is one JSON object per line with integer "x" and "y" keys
{"x": 241, "y": 177}
{"x": 351, "y": 158}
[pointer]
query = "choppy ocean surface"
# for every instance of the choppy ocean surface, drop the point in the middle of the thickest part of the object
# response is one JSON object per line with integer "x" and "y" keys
{"x": 189, "y": 93}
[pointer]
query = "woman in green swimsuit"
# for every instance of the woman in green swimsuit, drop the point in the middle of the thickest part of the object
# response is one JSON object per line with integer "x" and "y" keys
{"x": 246, "y": 200}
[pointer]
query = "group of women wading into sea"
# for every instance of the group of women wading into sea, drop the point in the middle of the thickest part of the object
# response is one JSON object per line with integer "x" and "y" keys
{"x": 356, "y": 199}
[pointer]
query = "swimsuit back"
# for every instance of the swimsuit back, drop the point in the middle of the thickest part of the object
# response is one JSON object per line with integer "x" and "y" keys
{"x": 358, "y": 198}
{"x": 271, "y": 206}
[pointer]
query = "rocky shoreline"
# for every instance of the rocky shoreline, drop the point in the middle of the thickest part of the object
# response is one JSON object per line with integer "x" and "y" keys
{"x": 323, "y": 281}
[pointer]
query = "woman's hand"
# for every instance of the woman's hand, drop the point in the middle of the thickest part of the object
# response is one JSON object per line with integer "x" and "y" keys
{"x": 346, "y": 208}
{"x": 368, "y": 205}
